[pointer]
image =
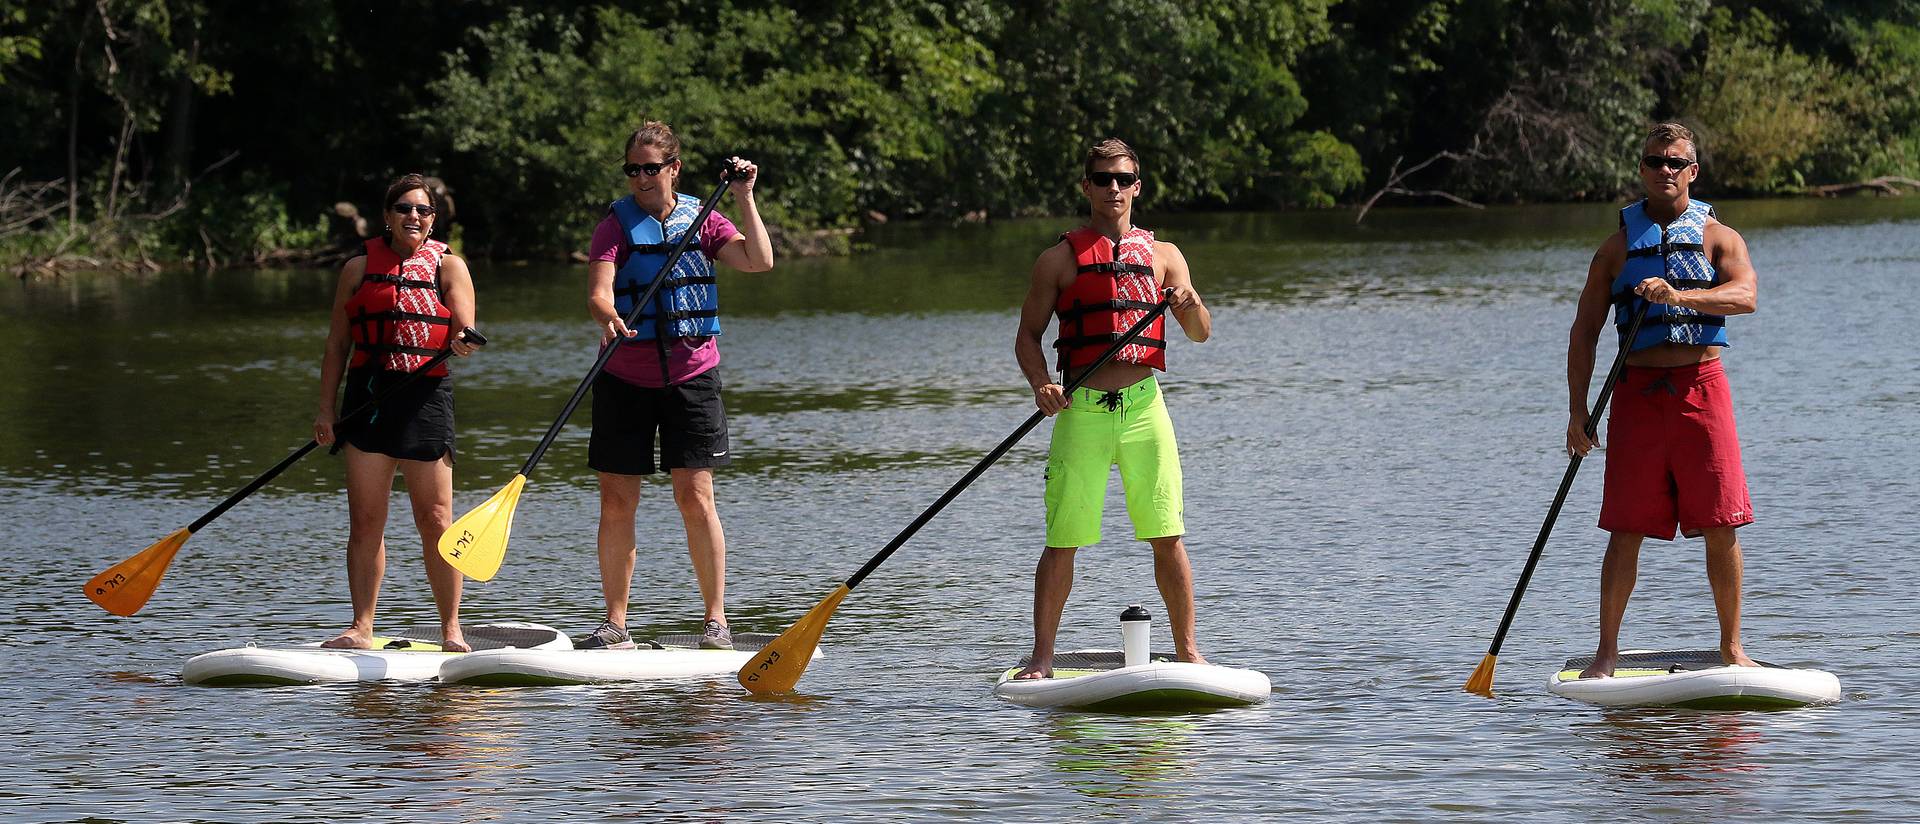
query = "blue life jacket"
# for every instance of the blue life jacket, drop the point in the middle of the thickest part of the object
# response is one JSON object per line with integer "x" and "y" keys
{"x": 690, "y": 298}
{"x": 1678, "y": 253}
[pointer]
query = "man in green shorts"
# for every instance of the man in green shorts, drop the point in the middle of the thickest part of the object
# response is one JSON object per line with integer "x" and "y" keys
{"x": 1099, "y": 280}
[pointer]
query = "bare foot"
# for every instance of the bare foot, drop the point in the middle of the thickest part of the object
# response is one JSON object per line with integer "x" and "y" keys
{"x": 1602, "y": 666}
{"x": 1733, "y": 656}
{"x": 1191, "y": 658}
{"x": 1037, "y": 668}
{"x": 354, "y": 638}
{"x": 452, "y": 641}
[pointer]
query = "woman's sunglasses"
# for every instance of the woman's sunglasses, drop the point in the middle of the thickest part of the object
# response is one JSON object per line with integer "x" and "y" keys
{"x": 648, "y": 169}
{"x": 1104, "y": 179}
{"x": 420, "y": 209}
{"x": 1672, "y": 164}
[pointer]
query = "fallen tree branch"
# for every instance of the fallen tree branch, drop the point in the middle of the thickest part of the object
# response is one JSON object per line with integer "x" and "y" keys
{"x": 1395, "y": 177}
{"x": 1884, "y": 184}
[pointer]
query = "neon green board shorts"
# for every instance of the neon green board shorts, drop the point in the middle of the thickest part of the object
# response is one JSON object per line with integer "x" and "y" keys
{"x": 1099, "y": 429}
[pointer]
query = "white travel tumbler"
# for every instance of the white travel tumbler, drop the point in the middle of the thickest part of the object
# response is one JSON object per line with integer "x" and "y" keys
{"x": 1136, "y": 626}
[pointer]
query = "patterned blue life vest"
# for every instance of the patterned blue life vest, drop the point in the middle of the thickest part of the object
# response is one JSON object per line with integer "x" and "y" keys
{"x": 690, "y": 299}
{"x": 1677, "y": 252}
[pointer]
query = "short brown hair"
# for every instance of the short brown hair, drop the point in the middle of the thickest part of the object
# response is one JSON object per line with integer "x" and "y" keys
{"x": 1674, "y": 133}
{"x": 1108, "y": 149}
{"x": 654, "y": 133}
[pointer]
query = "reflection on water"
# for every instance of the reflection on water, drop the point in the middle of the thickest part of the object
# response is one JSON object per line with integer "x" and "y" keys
{"x": 1108, "y": 756}
{"x": 1636, "y": 746}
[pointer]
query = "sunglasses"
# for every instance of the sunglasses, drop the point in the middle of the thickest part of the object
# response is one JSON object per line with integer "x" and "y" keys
{"x": 648, "y": 169}
{"x": 1672, "y": 164}
{"x": 1104, "y": 179}
{"x": 420, "y": 209}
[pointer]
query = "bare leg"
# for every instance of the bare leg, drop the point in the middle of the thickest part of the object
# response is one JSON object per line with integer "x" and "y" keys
{"x": 706, "y": 542}
{"x": 369, "y": 482}
{"x": 1052, "y": 582}
{"x": 430, "y": 488}
{"x": 1724, "y": 569}
{"x": 619, "y": 495}
{"x": 1617, "y": 576}
{"x": 1175, "y": 578}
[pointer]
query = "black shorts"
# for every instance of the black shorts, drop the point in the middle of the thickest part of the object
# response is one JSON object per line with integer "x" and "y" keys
{"x": 689, "y": 417}
{"x": 414, "y": 424}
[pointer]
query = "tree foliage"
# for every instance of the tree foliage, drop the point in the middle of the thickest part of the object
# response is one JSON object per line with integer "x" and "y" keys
{"x": 198, "y": 129}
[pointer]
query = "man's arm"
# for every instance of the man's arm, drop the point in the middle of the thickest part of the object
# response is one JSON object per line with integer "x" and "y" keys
{"x": 1042, "y": 293}
{"x": 1588, "y": 319}
{"x": 1193, "y": 316}
{"x": 1737, "y": 293}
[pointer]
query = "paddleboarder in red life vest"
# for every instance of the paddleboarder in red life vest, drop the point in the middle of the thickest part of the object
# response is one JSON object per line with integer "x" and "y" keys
{"x": 664, "y": 380}
{"x": 1098, "y": 281}
{"x": 1674, "y": 457}
{"x": 395, "y": 307}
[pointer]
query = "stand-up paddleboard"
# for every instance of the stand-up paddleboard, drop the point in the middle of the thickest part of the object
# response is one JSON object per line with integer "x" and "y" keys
{"x": 665, "y": 657}
{"x": 1100, "y": 680}
{"x": 1694, "y": 679}
{"x": 409, "y": 655}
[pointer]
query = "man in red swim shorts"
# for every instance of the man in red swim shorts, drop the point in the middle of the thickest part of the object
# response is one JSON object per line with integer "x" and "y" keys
{"x": 1675, "y": 458}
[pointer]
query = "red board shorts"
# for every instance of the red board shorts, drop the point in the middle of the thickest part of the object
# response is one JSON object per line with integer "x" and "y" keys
{"x": 1674, "y": 455}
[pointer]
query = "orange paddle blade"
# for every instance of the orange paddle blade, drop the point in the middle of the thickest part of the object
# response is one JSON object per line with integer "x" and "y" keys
{"x": 125, "y": 587}
{"x": 1481, "y": 681}
{"x": 777, "y": 667}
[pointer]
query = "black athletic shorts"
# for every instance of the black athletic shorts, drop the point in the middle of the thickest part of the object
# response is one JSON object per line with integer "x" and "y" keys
{"x": 689, "y": 417}
{"x": 414, "y": 424}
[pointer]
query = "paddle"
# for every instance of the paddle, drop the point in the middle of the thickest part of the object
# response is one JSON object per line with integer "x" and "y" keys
{"x": 778, "y": 665}
{"x": 1481, "y": 681}
{"x": 125, "y": 587}
{"x": 477, "y": 542}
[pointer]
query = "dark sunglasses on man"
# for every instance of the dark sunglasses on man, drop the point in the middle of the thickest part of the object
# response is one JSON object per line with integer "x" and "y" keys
{"x": 420, "y": 209}
{"x": 1102, "y": 180}
{"x": 648, "y": 169}
{"x": 1672, "y": 164}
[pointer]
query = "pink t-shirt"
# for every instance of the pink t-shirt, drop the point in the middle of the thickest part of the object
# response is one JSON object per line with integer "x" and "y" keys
{"x": 638, "y": 362}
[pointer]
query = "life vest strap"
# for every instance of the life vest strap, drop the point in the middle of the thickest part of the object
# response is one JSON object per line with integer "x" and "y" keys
{"x": 1116, "y": 267}
{"x": 1684, "y": 320}
{"x": 396, "y": 349}
{"x": 676, "y": 316}
{"x": 1085, "y": 340}
{"x": 1103, "y": 306}
{"x": 402, "y": 281}
{"x": 660, "y": 248}
{"x": 1663, "y": 248}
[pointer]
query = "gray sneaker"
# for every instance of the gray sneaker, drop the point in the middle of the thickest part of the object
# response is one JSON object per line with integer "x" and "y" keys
{"x": 715, "y": 635}
{"x": 608, "y": 635}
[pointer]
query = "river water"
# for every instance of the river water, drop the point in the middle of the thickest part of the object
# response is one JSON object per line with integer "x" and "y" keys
{"x": 1370, "y": 442}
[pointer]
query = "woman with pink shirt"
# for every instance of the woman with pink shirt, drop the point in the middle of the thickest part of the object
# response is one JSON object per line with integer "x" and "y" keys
{"x": 664, "y": 378}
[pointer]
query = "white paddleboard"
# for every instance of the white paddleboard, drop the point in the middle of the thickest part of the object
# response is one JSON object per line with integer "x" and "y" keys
{"x": 666, "y": 657}
{"x": 1694, "y": 679}
{"x": 1098, "y": 680}
{"x": 410, "y": 655}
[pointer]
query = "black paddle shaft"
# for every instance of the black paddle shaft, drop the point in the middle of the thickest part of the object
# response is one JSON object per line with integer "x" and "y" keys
{"x": 1573, "y": 466}
{"x": 639, "y": 306}
{"x": 981, "y": 467}
{"x": 471, "y": 335}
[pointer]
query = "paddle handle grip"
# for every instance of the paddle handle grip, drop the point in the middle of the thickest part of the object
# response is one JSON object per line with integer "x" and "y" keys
{"x": 469, "y": 333}
{"x": 606, "y": 352}
{"x": 994, "y": 455}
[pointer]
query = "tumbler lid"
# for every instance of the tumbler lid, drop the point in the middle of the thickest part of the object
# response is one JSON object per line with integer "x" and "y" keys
{"x": 1136, "y": 612}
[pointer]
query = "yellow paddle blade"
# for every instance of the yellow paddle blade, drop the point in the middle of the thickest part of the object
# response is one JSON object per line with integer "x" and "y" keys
{"x": 1481, "y": 681}
{"x": 125, "y": 587}
{"x": 777, "y": 667}
{"x": 477, "y": 542}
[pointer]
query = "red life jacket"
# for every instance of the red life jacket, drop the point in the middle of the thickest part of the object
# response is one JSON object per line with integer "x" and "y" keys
{"x": 1113, "y": 290}
{"x": 395, "y": 316}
